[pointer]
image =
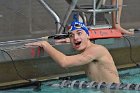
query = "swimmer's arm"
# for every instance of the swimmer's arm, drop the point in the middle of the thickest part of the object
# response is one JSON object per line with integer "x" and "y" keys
{"x": 69, "y": 61}
{"x": 62, "y": 59}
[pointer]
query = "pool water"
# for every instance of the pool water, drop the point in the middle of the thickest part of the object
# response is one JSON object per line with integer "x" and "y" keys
{"x": 131, "y": 75}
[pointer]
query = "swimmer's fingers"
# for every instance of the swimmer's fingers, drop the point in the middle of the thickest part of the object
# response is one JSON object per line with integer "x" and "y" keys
{"x": 35, "y": 44}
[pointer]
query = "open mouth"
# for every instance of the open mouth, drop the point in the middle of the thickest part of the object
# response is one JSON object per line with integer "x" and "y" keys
{"x": 78, "y": 43}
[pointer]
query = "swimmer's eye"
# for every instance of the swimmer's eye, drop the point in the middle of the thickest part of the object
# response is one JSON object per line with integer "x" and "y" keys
{"x": 79, "y": 33}
{"x": 71, "y": 35}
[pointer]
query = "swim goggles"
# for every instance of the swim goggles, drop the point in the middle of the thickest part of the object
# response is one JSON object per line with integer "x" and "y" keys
{"x": 77, "y": 25}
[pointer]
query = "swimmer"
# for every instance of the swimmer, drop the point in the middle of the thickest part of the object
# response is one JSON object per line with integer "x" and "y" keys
{"x": 99, "y": 63}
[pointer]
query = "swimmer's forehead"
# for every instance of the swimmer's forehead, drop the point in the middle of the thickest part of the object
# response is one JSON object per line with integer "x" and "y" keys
{"x": 77, "y": 30}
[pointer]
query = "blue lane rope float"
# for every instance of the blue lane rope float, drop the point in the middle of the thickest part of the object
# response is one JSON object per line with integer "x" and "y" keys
{"x": 95, "y": 85}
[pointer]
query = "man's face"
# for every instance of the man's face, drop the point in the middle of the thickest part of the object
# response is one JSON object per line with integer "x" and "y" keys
{"x": 79, "y": 39}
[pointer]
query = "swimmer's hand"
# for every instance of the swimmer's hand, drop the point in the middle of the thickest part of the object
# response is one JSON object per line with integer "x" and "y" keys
{"x": 36, "y": 44}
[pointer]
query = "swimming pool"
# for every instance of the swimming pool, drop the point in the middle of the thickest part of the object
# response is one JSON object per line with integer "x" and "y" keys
{"x": 129, "y": 75}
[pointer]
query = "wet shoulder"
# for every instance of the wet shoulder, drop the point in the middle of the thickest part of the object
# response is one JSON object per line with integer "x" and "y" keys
{"x": 95, "y": 50}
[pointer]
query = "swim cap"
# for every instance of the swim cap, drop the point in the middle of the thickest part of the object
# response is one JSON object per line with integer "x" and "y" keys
{"x": 78, "y": 25}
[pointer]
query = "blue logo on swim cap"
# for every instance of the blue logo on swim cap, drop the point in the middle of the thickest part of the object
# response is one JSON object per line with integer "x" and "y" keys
{"x": 78, "y": 25}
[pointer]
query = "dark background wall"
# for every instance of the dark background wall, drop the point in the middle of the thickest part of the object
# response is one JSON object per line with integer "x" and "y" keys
{"x": 21, "y": 19}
